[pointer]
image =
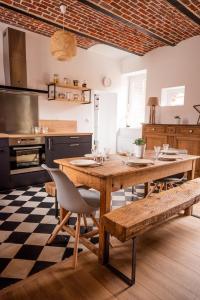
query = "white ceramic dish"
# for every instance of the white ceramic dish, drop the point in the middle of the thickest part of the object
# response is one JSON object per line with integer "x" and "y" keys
{"x": 83, "y": 162}
{"x": 89, "y": 155}
{"x": 168, "y": 158}
{"x": 139, "y": 162}
{"x": 170, "y": 152}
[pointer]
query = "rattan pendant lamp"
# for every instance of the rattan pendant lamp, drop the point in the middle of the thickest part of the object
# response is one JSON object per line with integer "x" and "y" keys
{"x": 63, "y": 43}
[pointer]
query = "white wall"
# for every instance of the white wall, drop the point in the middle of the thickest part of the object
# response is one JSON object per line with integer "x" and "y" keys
{"x": 86, "y": 65}
{"x": 171, "y": 66}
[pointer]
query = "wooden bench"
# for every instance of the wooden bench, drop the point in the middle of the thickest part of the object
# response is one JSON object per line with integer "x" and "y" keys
{"x": 132, "y": 220}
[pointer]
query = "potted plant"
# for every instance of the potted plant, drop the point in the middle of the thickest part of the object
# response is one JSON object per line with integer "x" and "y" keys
{"x": 177, "y": 119}
{"x": 139, "y": 147}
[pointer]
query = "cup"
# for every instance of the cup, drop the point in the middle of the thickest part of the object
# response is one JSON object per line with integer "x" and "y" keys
{"x": 75, "y": 82}
{"x": 36, "y": 129}
{"x": 165, "y": 147}
{"x": 99, "y": 158}
{"x": 76, "y": 97}
{"x": 45, "y": 129}
{"x": 66, "y": 81}
{"x": 106, "y": 152}
{"x": 157, "y": 151}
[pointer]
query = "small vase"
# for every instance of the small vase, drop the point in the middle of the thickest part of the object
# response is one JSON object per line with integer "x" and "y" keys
{"x": 140, "y": 151}
{"x": 178, "y": 121}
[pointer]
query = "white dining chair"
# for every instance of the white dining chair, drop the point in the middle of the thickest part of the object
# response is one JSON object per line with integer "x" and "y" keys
{"x": 82, "y": 202}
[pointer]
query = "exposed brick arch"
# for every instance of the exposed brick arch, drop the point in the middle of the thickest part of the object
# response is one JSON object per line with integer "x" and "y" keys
{"x": 134, "y": 26}
{"x": 192, "y": 5}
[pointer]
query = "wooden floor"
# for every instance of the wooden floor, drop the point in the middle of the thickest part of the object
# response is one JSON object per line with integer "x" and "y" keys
{"x": 168, "y": 268}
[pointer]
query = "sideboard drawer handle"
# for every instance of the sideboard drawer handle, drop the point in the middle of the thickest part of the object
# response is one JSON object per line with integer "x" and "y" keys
{"x": 153, "y": 129}
{"x": 74, "y": 137}
{"x": 74, "y": 145}
{"x": 190, "y": 131}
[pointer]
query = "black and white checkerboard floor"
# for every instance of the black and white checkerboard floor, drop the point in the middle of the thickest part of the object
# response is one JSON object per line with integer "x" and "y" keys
{"x": 27, "y": 218}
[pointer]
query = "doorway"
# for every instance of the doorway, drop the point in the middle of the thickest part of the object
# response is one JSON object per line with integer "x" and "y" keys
{"x": 105, "y": 120}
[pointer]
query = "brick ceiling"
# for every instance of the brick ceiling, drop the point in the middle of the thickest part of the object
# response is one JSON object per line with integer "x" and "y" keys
{"x": 136, "y": 26}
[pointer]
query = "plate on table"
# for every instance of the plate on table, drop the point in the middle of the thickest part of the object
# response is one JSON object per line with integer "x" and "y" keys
{"x": 168, "y": 158}
{"x": 170, "y": 152}
{"x": 83, "y": 162}
{"x": 139, "y": 162}
{"x": 89, "y": 155}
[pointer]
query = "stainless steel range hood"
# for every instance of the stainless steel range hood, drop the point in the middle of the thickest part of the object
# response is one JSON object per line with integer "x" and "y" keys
{"x": 14, "y": 58}
{"x": 18, "y": 104}
{"x": 21, "y": 90}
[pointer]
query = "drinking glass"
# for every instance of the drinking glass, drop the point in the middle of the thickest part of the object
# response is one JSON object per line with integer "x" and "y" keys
{"x": 157, "y": 151}
{"x": 129, "y": 154}
{"x": 106, "y": 152}
{"x": 165, "y": 147}
{"x": 94, "y": 152}
{"x": 99, "y": 158}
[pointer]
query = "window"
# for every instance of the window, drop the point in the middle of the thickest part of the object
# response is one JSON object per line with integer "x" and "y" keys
{"x": 173, "y": 96}
{"x": 136, "y": 99}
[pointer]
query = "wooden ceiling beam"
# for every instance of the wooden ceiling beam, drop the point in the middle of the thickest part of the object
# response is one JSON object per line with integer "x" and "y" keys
{"x": 184, "y": 10}
{"x": 30, "y": 15}
{"x": 126, "y": 22}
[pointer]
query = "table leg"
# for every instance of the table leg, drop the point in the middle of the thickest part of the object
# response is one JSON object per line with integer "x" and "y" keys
{"x": 146, "y": 188}
{"x": 105, "y": 206}
{"x": 190, "y": 176}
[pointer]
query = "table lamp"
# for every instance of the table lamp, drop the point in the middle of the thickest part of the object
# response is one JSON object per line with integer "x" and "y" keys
{"x": 152, "y": 102}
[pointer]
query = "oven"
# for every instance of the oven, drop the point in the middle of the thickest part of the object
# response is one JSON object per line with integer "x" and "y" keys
{"x": 26, "y": 154}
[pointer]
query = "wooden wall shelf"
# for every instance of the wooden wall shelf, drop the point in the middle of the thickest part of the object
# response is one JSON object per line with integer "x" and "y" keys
{"x": 70, "y": 87}
{"x": 71, "y": 101}
{"x": 83, "y": 92}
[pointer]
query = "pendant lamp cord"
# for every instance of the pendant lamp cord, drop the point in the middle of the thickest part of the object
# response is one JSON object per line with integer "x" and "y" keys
{"x": 63, "y": 22}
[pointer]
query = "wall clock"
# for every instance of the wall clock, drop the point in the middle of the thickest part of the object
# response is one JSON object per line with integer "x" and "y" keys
{"x": 106, "y": 81}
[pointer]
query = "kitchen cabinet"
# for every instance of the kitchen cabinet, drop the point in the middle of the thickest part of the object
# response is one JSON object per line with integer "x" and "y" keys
{"x": 66, "y": 146}
{"x": 177, "y": 136}
{"x": 4, "y": 165}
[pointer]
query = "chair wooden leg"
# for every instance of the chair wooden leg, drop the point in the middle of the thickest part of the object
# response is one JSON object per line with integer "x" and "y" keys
{"x": 77, "y": 234}
{"x": 85, "y": 221}
{"x": 59, "y": 227}
{"x": 151, "y": 191}
{"x": 94, "y": 220}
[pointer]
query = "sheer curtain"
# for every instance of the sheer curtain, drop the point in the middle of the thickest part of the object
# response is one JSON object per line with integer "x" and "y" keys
{"x": 136, "y": 100}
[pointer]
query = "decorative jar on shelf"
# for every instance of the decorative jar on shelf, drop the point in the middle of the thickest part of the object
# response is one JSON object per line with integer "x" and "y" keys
{"x": 75, "y": 82}
{"x": 55, "y": 78}
{"x": 66, "y": 81}
{"x": 84, "y": 84}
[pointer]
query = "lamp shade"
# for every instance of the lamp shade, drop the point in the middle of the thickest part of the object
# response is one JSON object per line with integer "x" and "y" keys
{"x": 63, "y": 45}
{"x": 153, "y": 101}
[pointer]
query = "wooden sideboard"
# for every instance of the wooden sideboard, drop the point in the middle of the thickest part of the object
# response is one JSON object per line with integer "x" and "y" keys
{"x": 177, "y": 136}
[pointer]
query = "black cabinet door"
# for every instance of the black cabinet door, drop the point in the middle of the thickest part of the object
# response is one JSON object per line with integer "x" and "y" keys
{"x": 55, "y": 149}
{"x": 4, "y": 168}
{"x": 49, "y": 152}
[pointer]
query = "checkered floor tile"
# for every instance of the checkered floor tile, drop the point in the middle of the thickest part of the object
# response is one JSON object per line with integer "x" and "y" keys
{"x": 27, "y": 218}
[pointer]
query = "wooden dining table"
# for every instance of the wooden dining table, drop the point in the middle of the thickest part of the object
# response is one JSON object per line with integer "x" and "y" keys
{"x": 115, "y": 174}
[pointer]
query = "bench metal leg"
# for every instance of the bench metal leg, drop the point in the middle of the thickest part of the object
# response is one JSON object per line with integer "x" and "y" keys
{"x": 129, "y": 281}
